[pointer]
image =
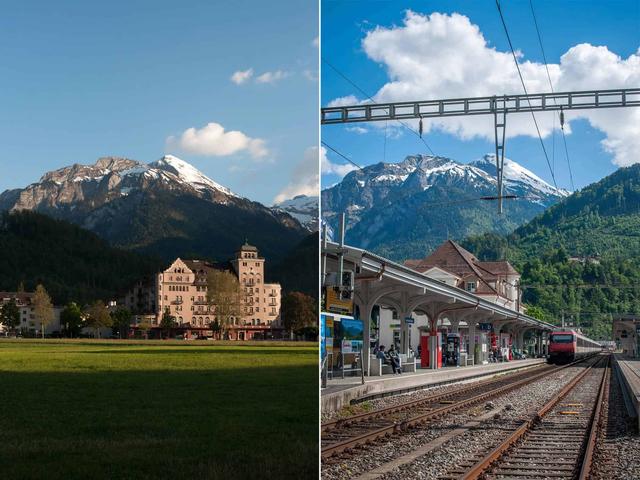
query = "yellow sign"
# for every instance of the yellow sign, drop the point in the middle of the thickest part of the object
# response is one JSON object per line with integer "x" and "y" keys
{"x": 337, "y": 305}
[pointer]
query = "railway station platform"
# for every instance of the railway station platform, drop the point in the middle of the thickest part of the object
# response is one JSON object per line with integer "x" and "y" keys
{"x": 342, "y": 392}
{"x": 628, "y": 372}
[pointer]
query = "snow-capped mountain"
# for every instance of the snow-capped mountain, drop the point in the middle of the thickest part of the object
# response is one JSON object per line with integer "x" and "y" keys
{"x": 167, "y": 207}
{"x": 303, "y": 208}
{"x": 401, "y": 209}
{"x": 517, "y": 179}
{"x": 89, "y": 186}
{"x": 188, "y": 173}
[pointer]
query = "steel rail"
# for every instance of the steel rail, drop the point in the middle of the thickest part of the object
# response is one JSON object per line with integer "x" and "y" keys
{"x": 331, "y": 425}
{"x": 367, "y": 437}
{"x": 480, "y": 467}
{"x": 585, "y": 470}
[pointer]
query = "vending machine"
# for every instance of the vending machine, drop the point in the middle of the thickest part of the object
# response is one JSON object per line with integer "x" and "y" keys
{"x": 431, "y": 350}
{"x": 453, "y": 349}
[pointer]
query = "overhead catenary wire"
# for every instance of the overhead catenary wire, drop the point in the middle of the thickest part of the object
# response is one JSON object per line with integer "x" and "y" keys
{"x": 354, "y": 85}
{"x": 437, "y": 204}
{"x": 337, "y": 152}
{"x": 546, "y": 66}
{"x": 524, "y": 87}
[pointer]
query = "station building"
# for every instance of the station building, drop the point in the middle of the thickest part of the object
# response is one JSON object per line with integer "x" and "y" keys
{"x": 626, "y": 335}
{"x": 452, "y": 265}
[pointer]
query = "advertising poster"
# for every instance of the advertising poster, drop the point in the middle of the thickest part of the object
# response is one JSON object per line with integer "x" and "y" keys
{"x": 326, "y": 334}
{"x": 352, "y": 335}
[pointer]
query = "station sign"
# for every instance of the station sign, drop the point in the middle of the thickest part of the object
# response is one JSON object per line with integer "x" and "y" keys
{"x": 336, "y": 304}
{"x": 411, "y": 320}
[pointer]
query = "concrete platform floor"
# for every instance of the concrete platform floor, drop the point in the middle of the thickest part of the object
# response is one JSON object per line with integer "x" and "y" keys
{"x": 342, "y": 392}
{"x": 628, "y": 370}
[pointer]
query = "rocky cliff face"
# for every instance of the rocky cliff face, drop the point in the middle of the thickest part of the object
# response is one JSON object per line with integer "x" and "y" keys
{"x": 87, "y": 187}
{"x": 167, "y": 208}
{"x": 404, "y": 209}
{"x": 303, "y": 208}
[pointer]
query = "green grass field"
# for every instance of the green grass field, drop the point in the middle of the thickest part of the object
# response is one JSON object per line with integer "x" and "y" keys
{"x": 93, "y": 410}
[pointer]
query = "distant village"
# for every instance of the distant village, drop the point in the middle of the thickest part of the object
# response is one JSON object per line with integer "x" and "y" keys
{"x": 191, "y": 299}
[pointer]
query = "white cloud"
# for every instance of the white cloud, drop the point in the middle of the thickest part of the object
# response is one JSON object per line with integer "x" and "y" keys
{"x": 272, "y": 77}
{"x": 213, "y": 140}
{"x": 310, "y": 75}
{"x": 304, "y": 178}
{"x": 357, "y": 129}
{"x": 327, "y": 167}
{"x": 344, "y": 101}
{"x": 446, "y": 56}
{"x": 242, "y": 76}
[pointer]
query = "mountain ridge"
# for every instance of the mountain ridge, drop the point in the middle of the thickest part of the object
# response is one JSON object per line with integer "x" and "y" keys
{"x": 165, "y": 208}
{"x": 405, "y": 209}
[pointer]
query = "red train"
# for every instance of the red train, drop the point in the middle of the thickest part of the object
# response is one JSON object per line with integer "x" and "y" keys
{"x": 568, "y": 345}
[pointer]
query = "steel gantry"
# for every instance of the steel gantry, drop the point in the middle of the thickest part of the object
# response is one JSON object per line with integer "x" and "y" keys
{"x": 498, "y": 106}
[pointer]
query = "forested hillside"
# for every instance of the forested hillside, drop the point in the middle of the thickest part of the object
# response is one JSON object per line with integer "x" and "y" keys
{"x": 298, "y": 271}
{"x": 580, "y": 257}
{"x": 72, "y": 263}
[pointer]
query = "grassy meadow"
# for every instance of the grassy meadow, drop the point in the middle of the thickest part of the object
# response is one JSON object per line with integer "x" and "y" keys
{"x": 155, "y": 410}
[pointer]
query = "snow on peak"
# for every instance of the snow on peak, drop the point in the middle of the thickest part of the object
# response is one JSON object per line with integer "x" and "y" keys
{"x": 303, "y": 208}
{"x": 514, "y": 172}
{"x": 188, "y": 173}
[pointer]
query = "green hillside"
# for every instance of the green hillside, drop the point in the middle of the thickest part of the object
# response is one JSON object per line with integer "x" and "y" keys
{"x": 599, "y": 227}
{"x": 72, "y": 263}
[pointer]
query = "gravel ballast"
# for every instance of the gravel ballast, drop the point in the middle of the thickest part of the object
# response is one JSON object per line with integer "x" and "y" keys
{"x": 518, "y": 404}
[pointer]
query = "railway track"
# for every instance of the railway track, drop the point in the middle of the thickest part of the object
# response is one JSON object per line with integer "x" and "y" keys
{"x": 342, "y": 436}
{"x": 557, "y": 442}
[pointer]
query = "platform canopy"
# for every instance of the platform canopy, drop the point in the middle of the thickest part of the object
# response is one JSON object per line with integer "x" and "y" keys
{"x": 380, "y": 281}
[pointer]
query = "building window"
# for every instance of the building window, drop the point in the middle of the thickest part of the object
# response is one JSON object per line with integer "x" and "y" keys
{"x": 470, "y": 287}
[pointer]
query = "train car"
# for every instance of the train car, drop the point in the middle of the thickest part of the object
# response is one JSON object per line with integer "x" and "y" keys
{"x": 568, "y": 345}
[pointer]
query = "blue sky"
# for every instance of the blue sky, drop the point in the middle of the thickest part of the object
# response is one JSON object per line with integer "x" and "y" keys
{"x": 612, "y": 24}
{"x": 80, "y": 80}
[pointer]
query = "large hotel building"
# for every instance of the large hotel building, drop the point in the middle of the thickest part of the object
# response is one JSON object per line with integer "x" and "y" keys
{"x": 182, "y": 291}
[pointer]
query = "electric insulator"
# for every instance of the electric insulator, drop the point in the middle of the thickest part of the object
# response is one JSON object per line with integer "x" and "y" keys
{"x": 561, "y": 119}
{"x": 420, "y": 128}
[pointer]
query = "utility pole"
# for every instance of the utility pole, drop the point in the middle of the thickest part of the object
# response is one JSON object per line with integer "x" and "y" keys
{"x": 323, "y": 265}
{"x": 341, "y": 252}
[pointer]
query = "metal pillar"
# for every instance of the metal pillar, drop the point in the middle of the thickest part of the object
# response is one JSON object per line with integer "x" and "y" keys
{"x": 500, "y": 126}
{"x": 455, "y": 324}
{"x": 366, "y": 308}
{"x": 404, "y": 333}
{"x": 404, "y": 326}
{"x": 472, "y": 340}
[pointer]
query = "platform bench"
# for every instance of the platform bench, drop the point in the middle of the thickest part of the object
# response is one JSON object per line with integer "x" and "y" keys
{"x": 377, "y": 368}
{"x": 408, "y": 364}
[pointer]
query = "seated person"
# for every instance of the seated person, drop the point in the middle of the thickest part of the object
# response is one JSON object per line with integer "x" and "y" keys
{"x": 394, "y": 360}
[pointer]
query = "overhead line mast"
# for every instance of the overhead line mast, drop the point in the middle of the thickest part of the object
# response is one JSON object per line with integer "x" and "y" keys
{"x": 561, "y": 114}
{"x": 500, "y": 161}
